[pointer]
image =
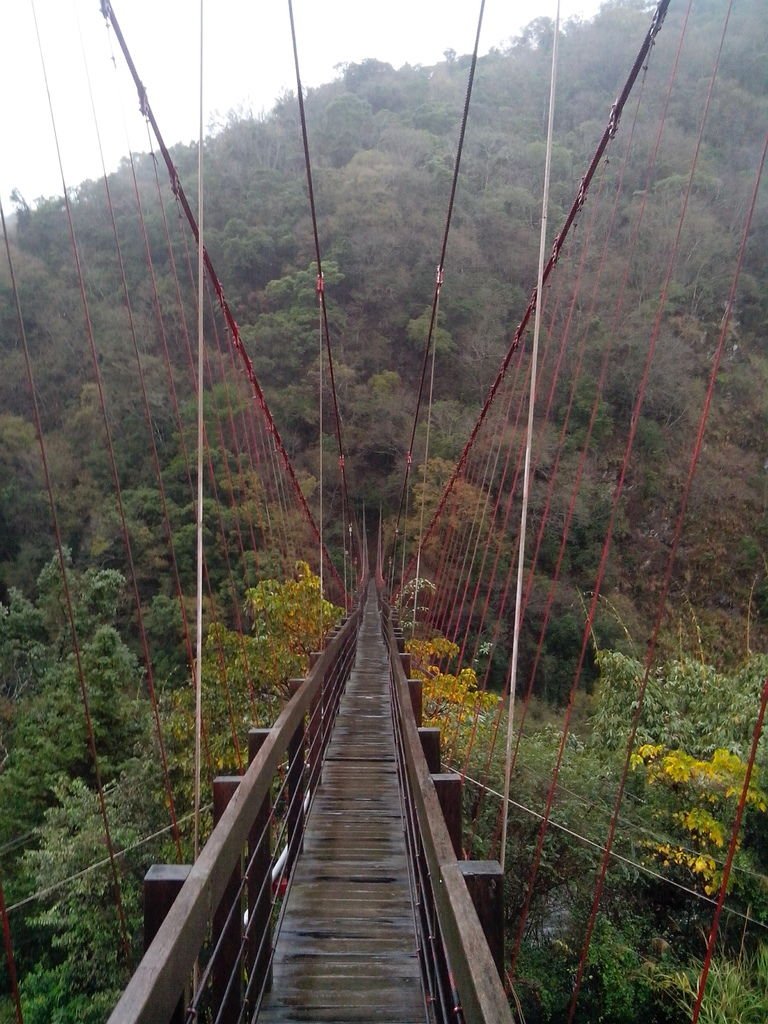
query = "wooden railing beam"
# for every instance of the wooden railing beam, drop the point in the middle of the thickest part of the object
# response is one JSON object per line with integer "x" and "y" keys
{"x": 153, "y": 991}
{"x": 260, "y": 884}
{"x": 475, "y": 976}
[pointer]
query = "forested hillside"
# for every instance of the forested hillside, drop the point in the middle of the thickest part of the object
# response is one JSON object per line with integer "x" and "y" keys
{"x": 383, "y": 143}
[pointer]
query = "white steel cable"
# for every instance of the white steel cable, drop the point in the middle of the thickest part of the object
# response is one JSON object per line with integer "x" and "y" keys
{"x": 528, "y": 445}
{"x": 643, "y": 868}
{"x": 426, "y": 457}
{"x": 199, "y": 591}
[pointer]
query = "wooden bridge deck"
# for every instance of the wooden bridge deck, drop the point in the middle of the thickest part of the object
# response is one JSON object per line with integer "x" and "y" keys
{"x": 347, "y": 948}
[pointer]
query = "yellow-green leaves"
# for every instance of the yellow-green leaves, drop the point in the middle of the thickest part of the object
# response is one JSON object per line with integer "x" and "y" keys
{"x": 700, "y": 805}
{"x": 451, "y": 699}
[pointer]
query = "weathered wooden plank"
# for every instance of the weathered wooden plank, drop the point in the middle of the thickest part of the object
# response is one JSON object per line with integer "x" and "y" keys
{"x": 366, "y": 1014}
{"x": 389, "y": 997}
{"x": 358, "y": 891}
{"x": 341, "y": 970}
{"x": 345, "y": 987}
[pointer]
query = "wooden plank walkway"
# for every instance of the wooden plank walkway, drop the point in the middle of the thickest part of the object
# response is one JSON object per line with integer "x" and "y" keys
{"x": 347, "y": 949}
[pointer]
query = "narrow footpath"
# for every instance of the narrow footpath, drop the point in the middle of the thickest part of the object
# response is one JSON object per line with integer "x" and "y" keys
{"x": 347, "y": 948}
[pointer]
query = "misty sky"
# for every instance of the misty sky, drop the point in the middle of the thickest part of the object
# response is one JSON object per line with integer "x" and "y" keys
{"x": 247, "y": 64}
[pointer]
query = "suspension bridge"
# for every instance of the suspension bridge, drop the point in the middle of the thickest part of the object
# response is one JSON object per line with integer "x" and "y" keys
{"x": 339, "y": 881}
{"x": 381, "y": 919}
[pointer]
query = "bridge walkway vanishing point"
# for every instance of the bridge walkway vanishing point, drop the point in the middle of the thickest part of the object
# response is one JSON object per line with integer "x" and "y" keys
{"x": 347, "y": 950}
{"x": 382, "y": 921}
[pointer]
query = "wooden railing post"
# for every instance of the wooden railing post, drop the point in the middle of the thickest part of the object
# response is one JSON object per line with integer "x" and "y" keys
{"x": 227, "y": 926}
{"x": 405, "y": 661}
{"x": 162, "y": 884}
{"x": 259, "y": 886}
{"x": 416, "y": 690}
{"x": 448, "y": 786}
{"x": 296, "y": 787}
{"x": 485, "y": 882}
{"x": 430, "y": 744}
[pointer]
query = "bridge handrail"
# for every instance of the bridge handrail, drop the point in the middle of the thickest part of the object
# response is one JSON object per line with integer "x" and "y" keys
{"x": 154, "y": 989}
{"x": 475, "y": 975}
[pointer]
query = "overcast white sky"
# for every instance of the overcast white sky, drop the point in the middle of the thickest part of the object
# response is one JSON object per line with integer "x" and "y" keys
{"x": 247, "y": 56}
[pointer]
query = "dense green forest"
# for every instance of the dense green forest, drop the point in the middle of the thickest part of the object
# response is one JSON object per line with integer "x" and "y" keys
{"x": 383, "y": 144}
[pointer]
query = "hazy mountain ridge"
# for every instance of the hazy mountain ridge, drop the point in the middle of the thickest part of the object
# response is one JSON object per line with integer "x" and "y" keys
{"x": 382, "y": 145}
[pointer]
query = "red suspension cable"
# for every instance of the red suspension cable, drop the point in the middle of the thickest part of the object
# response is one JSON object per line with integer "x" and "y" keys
{"x": 320, "y": 290}
{"x": 107, "y": 11}
{"x": 439, "y": 279}
{"x": 696, "y": 453}
{"x": 618, "y": 491}
{"x": 608, "y": 134}
{"x": 80, "y": 671}
{"x": 732, "y": 847}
